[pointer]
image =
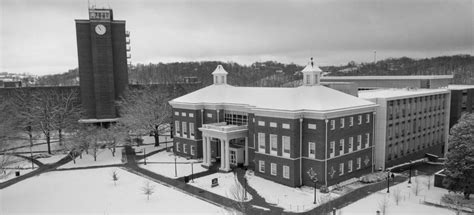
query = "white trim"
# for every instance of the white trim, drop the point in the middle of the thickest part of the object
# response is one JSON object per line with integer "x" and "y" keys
{"x": 285, "y": 126}
{"x": 349, "y": 153}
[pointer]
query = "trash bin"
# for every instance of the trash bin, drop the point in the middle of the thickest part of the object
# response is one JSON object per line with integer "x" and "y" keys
{"x": 17, "y": 173}
{"x": 186, "y": 179}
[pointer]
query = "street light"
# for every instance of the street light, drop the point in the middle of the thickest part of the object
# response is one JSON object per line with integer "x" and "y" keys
{"x": 175, "y": 168}
{"x": 144, "y": 155}
{"x": 192, "y": 171}
{"x": 409, "y": 178}
{"x": 312, "y": 176}
{"x": 388, "y": 181}
{"x": 245, "y": 185}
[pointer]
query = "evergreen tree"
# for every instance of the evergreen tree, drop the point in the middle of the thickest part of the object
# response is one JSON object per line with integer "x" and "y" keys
{"x": 460, "y": 157}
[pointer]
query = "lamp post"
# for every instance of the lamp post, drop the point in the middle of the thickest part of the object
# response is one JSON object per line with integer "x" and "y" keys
{"x": 245, "y": 185}
{"x": 192, "y": 172}
{"x": 144, "y": 155}
{"x": 388, "y": 181}
{"x": 409, "y": 178}
{"x": 175, "y": 168}
{"x": 312, "y": 176}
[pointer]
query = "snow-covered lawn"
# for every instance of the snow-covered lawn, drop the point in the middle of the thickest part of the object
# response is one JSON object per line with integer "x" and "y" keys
{"x": 409, "y": 203}
{"x": 288, "y": 198}
{"x": 227, "y": 185}
{"x": 148, "y": 148}
{"x": 13, "y": 164}
{"x": 104, "y": 157}
{"x": 163, "y": 163}
{"x": 49, "y": 159}
{"x": 92, "y": 191}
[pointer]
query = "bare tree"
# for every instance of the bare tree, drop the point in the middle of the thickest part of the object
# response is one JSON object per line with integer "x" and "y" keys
{"x": 45, "y": 105}
{"x": 238, "y": 193}
{"x": 148, "y": 189}
{"x": 417, "y": 186}
{"x": 397, "y": 195}
{"x": 383, "y": 205}
{"x": 115, "y": 177}
{"x": 68, "y": 112}
{"x": 113, "y": 136}
{"x": 145, "y": 111}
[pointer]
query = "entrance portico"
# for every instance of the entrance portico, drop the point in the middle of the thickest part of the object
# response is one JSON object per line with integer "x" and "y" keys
{"x": 225, "y": 133}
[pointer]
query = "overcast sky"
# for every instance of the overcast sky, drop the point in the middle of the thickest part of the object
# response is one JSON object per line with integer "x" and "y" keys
{"x": 38, "y": 37}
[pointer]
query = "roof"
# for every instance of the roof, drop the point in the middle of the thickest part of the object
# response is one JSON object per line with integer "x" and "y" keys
{"x": 311, "y": 68}
{"x": 309, "y": 98}
{"x": 219, "y": 70}
{"x": 398, "y": 92}
{"x": 392, "y": 77}
{"x": 460, "y": 87}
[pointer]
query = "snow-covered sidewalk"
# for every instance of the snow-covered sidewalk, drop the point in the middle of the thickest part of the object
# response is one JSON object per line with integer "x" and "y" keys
{"x": 289, "y": 198}
{"x": 227, "y": 187}
{"x": 163, "y": 163}
{"x": 104, "y": 157}
{"x": 92, "y": 191}
{"x": 409, "y": 202}
{"x": 14, "y": 164}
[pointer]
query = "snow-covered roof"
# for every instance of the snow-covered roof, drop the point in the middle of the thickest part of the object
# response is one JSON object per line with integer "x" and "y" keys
{"x": 394, "y": 77}
{"x": 308, "y": 98}
{"x": 460, "y": 87}
{"x": 311, "y": 68}
{"x": 219, "y": 70}
{"x": 398, "y": 92}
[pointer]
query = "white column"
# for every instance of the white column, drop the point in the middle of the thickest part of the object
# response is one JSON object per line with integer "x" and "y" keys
{"x": 209, "y": 154}
{"x": 246, "y": 161}
{"x": 222, "y": 155}
{"x": 204, "y": 150}
{"x": 227, "y": 156}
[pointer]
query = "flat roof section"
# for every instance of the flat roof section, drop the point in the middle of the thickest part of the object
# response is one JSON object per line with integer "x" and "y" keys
{"x": 394, "y": 77}
{"x": 460, "y": 87}
{"x": 395, "y": 93}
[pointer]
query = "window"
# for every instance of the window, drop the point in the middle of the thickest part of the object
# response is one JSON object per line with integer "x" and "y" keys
{"x": 359, "y": 141}
{"x": 351, "y": 144}
{"x": 367, "y": 135}
{"x": 273, "y": 169}
{"x": 185, "y": 131}
{"x": 341, "y": 147}
{"x": 273, "y": 144}
{"x": 358, "y": 163}
{"x": 191, "y": 129}
{"x": 333, "y": 124}
{"x": 193, "y": 150}
{"x": 176, "y": 113}
{"x": 286, "y": 172}
{"x": 368, "y": 118}
{"x": 331, "y": 148}
{"x": 342, "y": 122}
{"x": 308, "y": 81}
{"x": 351, "y": 121}
{"x": 183, "y": 114}
{"x": 261, "y": 123}
{"x": 359, "y": 119}
{"x": 286, "y": 146}
{"x": 261, "y": 166}
{"x": 184, "y": 148}
{"x": 235, "y": 117}
{"x": 285, "y": 126}
{"x": 261, "y": 142}
{"x": 191, "y": 114}
{"x": 209, "y": 115}
{"x": 232, "y": 157}
{"x": 273, "y": 124}
{"x": 349, "y": 166}
{"x": 176, "y": 127}
{"x": 341, "y": 168}
{"x": 177, "y": 147}
{"x": 312, "y": 126}
{"x": 311, "y": 150}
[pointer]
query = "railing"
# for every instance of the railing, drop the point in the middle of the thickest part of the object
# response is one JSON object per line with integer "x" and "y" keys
{"x": 222, "y": 126}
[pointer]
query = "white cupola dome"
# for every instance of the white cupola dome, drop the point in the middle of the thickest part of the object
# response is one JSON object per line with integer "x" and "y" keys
{"x": 220, "y": 75}
{"x": 311, "y": 74}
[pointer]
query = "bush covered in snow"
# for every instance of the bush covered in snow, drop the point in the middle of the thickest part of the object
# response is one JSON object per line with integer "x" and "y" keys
{"x": 373, "y": 177}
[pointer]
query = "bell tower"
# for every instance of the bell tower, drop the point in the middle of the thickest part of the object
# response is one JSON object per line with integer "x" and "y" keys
{"x": 311, "y": 74}
{"x": 220, "y": 75}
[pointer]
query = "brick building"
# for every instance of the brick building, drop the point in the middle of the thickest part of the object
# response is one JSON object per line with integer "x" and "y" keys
{"x": 410, "y": 123}
{"x": 281, "y": 133}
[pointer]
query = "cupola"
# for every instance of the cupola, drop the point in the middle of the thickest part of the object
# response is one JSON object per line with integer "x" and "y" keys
{"x": 311, "y": 74}
{"x": 220, "y": 75}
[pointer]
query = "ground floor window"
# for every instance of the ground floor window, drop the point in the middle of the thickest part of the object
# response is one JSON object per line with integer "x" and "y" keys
{"x": 358, "y": 163}
{"x": 184, "y": 149}
{"x": 341, "y": 168}
{"x": 261, "y": 166}
{"x": 193, "y": 150}
{"x": 177, "y": 147}
{"x": 349, "y": 166}
{"x": 232, "y": 158}
{"x": 273, "y": 169}
{"x": 286, "y": 172}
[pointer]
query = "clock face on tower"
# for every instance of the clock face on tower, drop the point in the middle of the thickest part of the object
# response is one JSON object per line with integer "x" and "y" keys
{"x": 100, "y": 29}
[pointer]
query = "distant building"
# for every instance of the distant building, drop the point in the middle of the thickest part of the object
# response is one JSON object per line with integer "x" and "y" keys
{"x": 8, "y": 83}
{"x": 377, "y": 82}
{"x": 462, "y": 101}
{"x": 281, "y": 133}
{"x": 410, "y": 123}
{"x": 102, "y": 57}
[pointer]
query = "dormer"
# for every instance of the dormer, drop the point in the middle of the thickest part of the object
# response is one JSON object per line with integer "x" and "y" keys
{"x": 311, "y": 74}
{"x": 220, "y": 75}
